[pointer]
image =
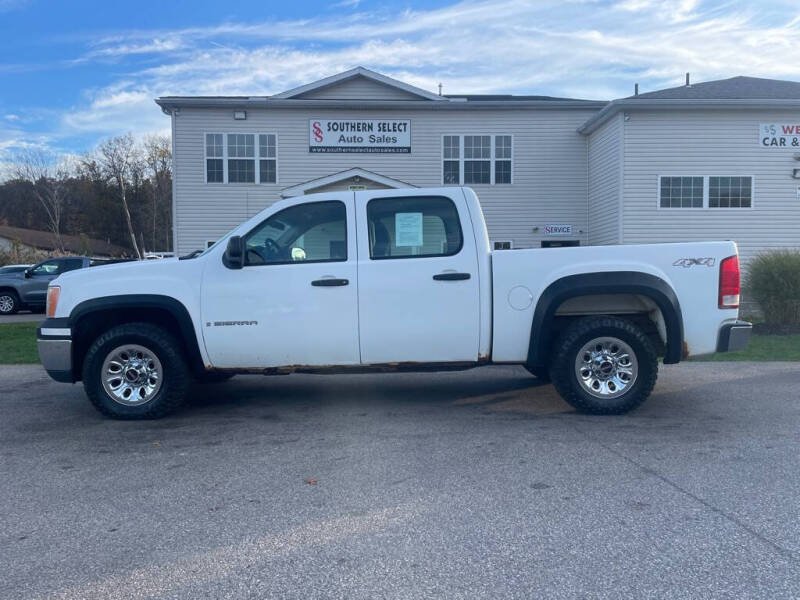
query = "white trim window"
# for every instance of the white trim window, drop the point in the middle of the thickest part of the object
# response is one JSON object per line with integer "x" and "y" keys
{"x": 730, "y": 192}
{"x": 477, "y": 159}
{"x": 236, "y": 158}
{"x": 215, "y": 163}
{"x": 705, "y": 192}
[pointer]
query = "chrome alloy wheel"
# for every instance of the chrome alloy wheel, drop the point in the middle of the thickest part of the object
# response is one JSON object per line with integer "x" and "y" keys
{"x": 6, "y": 303}
{"x": 132, "y": 375}
{"x": 606, "y": 367}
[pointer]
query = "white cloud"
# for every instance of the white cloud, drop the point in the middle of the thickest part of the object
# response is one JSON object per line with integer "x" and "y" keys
{"x": 576, "y": 48}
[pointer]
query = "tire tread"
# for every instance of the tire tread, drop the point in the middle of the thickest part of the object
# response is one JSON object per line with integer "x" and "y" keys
{"x": 176, "y": 373}
{"x": 562, "y": 365}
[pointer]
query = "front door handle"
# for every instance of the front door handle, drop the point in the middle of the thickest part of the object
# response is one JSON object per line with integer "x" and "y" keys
{"x": 329, "y": 282}
{"x": 451, "y": 276}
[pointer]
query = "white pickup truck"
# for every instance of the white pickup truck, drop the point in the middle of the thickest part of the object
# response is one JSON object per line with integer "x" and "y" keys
{"x": 388, "y": 280}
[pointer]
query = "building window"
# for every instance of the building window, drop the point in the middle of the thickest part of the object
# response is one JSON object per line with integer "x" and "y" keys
{"x": 705, "y": 192}
{"x": 730, "y": 192}
{"x": 214, "y": 168}
{"x": 476, "y": 159}
{"x": 681, "y": 192}
{"x": 267, "y": 163}
{"x": 235, "y": 158}
{"x": 452, "y": 156}
{"x": 502, "y": 159}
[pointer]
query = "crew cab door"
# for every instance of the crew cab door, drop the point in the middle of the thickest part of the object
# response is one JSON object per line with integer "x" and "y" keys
{"x": 294, "y": 303}
{"x": 418, "y": 278}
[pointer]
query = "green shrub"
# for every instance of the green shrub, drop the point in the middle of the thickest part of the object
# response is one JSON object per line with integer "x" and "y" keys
{"x": 773, "y": 281}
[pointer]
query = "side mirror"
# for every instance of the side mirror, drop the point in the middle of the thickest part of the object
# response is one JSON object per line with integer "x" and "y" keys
{"x": 28, "y": 273}
{"x": 234, "y": 253}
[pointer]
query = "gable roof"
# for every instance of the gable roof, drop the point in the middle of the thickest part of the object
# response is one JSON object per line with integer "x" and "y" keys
{"x": 741, "y": 88}
{"x": 313, "y": 95}
{"x": 735, "y": 92}
{"x": 45, "y": 240}
{"x": 302, "y": 188}
{"x": 360, "y": 72}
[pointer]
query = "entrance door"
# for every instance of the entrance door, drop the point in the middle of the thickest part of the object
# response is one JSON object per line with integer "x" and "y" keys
{"x": 418, "y": 278}
{"x": 294, "y": 303}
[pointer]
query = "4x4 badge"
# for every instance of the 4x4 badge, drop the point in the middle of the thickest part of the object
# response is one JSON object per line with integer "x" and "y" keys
{"x": 690, "y": 262}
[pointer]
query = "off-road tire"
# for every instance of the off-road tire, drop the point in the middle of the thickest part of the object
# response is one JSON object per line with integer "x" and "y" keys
{"x": 11, "y": 297}
{"x": 176, "y": 375}
{"x": 541, "y": 373}
{"x": 582, "y": 331}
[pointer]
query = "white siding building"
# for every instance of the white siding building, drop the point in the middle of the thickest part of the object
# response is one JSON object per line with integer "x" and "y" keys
{"x": 716, "y": 160}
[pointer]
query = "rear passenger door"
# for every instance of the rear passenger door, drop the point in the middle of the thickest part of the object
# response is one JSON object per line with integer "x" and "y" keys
{"x": 418, "y": 278}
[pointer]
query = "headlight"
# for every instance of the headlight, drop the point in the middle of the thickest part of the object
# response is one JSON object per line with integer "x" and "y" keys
{"x": 53, "y": 292}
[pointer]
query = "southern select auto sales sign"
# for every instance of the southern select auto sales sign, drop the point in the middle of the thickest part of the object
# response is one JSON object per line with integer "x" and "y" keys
{"x": 359, "y": 135}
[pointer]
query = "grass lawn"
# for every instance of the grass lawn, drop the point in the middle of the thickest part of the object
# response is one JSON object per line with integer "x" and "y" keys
{"x": 18, "y": 346}
{"x": 18, "y": 343}
{"x": 762, "y": 348}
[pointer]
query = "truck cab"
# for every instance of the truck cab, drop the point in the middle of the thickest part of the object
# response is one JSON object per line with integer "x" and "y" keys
{"x": 388, "y": 280}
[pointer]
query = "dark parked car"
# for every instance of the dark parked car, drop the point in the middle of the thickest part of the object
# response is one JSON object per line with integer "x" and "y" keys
{"x": 27, "y": 287}
{"x": 13, "y": 269}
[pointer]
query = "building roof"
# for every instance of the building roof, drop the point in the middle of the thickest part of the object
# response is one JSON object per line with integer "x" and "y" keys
{"x": 365, "y": 73}
{"x": 45, "y": 240}
{"x": 736, "y": 92}
{"x": 413, "y": 97}
{"x": 735, "y": 88}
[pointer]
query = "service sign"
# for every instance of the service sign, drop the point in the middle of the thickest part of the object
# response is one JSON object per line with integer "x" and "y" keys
{"x": 777, "y": 135}
{"x": 558, "y": 229}
{"x": 359, "y": 135}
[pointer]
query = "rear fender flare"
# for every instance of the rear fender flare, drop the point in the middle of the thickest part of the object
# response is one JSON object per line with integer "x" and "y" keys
{"x": 613, "y": 282}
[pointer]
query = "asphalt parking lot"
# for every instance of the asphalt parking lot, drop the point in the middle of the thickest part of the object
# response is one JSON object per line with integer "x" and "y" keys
{"x": 22, "y": 317}
{"x": 464, "y": 485}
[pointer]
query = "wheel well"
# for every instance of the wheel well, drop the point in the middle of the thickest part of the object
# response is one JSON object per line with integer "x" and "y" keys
{"x": 637, "y": 308}
{"x": 9, "y": 289}
{"x": 648, "y": 301}
{"x": 89, "y": 326}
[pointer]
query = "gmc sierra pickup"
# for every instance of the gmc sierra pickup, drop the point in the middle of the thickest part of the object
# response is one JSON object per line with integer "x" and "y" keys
{"x": 388, "y": 280}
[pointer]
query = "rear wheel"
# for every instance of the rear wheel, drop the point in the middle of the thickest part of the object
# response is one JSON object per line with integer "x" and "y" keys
{"x": 9, "y": 302}
{"x": 604, "y": 365}
{"x": 135, "y": 371}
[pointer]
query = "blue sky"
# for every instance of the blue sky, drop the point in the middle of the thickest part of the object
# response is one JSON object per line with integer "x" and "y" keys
{"x": 72, "y": 73}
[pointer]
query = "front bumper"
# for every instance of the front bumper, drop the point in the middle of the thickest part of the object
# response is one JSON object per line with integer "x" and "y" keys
{"x": 734, "y": 336}
{"x": 54, "y": 342}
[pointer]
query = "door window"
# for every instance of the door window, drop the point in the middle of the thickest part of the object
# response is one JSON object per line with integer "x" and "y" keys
{"x": 312, "y": 232}
{"x": 50, "y": 267}
{"x": 413, "y": 227}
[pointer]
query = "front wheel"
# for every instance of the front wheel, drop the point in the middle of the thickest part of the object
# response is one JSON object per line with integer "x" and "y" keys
{"x": 604, "y": 365}
{"x": 9, "y": 303}
{"x": 135, "y": 371}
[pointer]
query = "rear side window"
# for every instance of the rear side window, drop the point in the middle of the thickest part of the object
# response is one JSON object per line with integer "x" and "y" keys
{"x": 70, "y": 264}
{"x": 413, "y": 227}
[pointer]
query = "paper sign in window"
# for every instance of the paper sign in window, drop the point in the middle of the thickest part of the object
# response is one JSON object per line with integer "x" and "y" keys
{"x": 408, "y": 229}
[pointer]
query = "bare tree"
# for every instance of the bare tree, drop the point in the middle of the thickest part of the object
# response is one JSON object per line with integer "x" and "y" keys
{"x": 47, "y": 176}
{"x": 158, "y": 157}
{"x": 117, "y": 158}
